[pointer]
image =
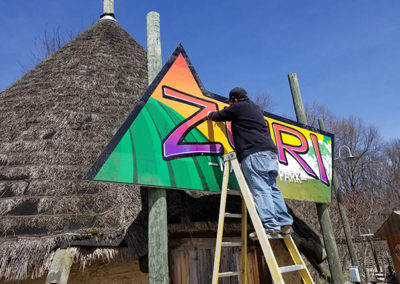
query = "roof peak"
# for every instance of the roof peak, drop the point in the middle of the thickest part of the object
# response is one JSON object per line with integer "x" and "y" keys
{"x": 108, "y": 17}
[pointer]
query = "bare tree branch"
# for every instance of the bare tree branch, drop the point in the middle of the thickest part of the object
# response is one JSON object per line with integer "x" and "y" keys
{"x": 49, "y": 42}
{"x": 264, "y": 101}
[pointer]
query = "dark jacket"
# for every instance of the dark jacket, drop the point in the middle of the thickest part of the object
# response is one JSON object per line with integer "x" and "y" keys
{"x": 249, "y": 129}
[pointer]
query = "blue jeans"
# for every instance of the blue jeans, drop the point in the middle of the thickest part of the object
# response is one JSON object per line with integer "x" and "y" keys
{"x": 260, "y": 170}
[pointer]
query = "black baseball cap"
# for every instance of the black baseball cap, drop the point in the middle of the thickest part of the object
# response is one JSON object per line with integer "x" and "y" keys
{"x": 238, "y": 93}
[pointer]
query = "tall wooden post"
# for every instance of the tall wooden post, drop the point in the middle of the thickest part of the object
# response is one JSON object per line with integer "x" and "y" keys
{"x": 158, "y": 230}
{"x": 153, "y": 45}
{"x": 335, "y": 266}
{"x": 60, "y": 267}
{"x": 108, "y": 7}
{"x": 327, "y": 233}
{"x": 345, "y": 222}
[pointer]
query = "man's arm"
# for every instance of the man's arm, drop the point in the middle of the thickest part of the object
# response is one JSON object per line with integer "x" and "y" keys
{"x": 227, "y": 114}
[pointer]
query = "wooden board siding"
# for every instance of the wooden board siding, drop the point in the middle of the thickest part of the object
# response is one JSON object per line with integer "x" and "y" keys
{"x": 191, "y": 261}
{"x": 253, "y": 273}
{"x": 392, "y": 242}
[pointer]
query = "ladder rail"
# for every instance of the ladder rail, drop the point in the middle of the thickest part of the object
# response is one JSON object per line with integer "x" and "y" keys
{"x": 243, "y": 275}
{"x": 218, "y": 246}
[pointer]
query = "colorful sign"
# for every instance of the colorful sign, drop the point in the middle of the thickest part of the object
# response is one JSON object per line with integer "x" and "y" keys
{"x": 167, "y": 141}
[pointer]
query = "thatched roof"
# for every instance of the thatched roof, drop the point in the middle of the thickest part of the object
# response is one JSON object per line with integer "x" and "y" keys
{"x": 54, "y": 122}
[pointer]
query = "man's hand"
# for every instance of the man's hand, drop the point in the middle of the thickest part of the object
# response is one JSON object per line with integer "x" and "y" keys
{"x": 208, "y": 114}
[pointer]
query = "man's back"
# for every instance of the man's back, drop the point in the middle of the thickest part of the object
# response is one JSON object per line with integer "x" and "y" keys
{"x": 249, "y": 129}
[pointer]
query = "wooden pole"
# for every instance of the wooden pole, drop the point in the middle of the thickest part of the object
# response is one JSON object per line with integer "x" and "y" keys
{"x": 108, "y": 7}
{"x": 327, "y": 233}
{"x": 158, "y": 230}
{"x": 297, "y": 100}
{"x": 153, "y": 45}
{"x": 335, "y": 266}
{"x": 345, "y": 221}
{"x": 60, "y": 267}
{"x": 243, "y": 277}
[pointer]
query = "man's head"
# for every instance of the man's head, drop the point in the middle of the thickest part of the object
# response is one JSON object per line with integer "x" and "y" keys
{"x": 237, "y": 94}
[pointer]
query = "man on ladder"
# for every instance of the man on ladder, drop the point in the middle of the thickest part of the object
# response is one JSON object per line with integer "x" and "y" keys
{"x": 258, "y": 156}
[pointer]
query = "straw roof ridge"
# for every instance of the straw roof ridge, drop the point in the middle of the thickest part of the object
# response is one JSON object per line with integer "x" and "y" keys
{"x": 55, "y": 121}
{"x": 27, "y": 258}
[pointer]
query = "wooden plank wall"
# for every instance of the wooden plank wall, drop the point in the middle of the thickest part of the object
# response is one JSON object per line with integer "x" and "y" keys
{"x": 394, "y": 241}
{"x": 192, "y": 262}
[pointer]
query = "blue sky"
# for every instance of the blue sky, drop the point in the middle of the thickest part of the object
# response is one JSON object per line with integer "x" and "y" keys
{"x": 345, "y": 53}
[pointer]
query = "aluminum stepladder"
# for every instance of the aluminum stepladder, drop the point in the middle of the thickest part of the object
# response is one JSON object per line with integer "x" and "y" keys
{"x": 247, "y": 200}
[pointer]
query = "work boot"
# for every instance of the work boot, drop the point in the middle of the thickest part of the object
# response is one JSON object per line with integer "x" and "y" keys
{"x": 287, "y": 230}
{"x": 269, "y": 232}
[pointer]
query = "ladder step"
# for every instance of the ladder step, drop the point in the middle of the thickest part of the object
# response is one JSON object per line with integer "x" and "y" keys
{"x": 290, "y": 268}
{"x": 278, "y": 236}
{"x": 233, "y": 192}
{"x": 228, "y": 274}
{"x": 231, "y": 244}
{"x": 233, "y": 215}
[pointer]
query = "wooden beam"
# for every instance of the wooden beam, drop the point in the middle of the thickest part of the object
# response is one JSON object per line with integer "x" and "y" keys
{"x": 108, "y": 6}
{"x": 345, "y": 221}
{"x": 60, "y": 267}
{"x": 154, "y": 61}
{"x": 158, "y": 231}
{"x": 324, "y": 218}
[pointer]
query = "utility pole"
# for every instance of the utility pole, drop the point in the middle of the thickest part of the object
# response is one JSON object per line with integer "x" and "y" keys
{"x": 345, "y": 221}
{"x": 158, "y": 229}
{"x": 335, "y": 266}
